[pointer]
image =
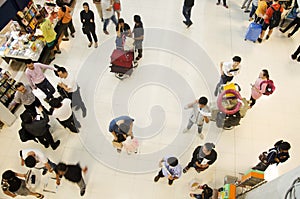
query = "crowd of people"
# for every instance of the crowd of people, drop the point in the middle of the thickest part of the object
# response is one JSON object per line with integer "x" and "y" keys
{"x": 35, "y": 118}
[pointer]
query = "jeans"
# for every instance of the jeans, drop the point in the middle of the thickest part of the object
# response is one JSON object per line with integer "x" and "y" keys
{"x": 47, "y": 88}
{"x": 190, "y": 124}
{"x": 248, "y": 4}
{"x": 186, "y": 11}
{"x": 253, "y": 9}
{"x": 106, "y": 22}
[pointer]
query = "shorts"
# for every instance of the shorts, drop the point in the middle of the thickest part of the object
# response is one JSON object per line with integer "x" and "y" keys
{"x": 265, "y": 26}
{"x": 51, "y": 44}
{"x": 23, "y": 190}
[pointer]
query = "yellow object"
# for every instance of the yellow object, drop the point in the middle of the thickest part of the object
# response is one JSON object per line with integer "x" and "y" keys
{"x": 229, "y": 86}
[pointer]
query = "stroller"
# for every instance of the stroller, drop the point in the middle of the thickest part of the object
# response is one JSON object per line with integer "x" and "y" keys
{"x": 122, "y": 59}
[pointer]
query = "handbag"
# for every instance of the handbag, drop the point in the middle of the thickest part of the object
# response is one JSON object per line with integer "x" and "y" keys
{"x": 85, "y": 30}
{"x": 117, "y": 6}
{"x": 128, "y": 44}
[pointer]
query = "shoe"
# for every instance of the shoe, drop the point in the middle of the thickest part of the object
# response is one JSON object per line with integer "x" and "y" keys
{"x": 184, "y": 22}
{"x": 96, "y": 45}
{"x": 191, "y": 23}
{"x": 243, "y": 7}
{"x": 46, "y": 145}
{"x": 217, "y": 3}
{"x": 185, "y": 130}
{"x": 281, "y": 30}
{"x": 185, "y": 169}
{"x": 82, "y": 192}
{"x": 170, "y": 182}
{"x": 55, "y": 145}
{"x": 201, "y": 136}
{"x": 90, "y": 44}
{"x": 44, "y": 172}
{"x": 267, "y": 37}
{"x": 226, "y": 6}
{"x": 298, "y": 60}
{"x": 137, "y": 58}
{"x": 119, "y": 150}
{"x": 57, "y": 52}
{"x": 259, "y": 40}
{"x": 72, "y": 35}
{"x": 84, "y": 112}
{"x": 102, "y": 19}
{"x": 106, "y": 32}
{"x": 250, "y": 19}
{"x": 246, "y": 11}
{"x": 135, "y": 64}
{"x": 65, "y": 39}
{"x": 289, "y": 35}
{"x": 294, "y": 56}
{"x": 156, "y": 178}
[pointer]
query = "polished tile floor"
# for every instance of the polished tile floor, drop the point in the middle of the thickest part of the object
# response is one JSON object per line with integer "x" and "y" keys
{"x": 179, "y": 65}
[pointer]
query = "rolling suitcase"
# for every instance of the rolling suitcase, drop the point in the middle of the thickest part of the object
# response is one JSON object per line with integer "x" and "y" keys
{"x": 122, "y": 58}
{"x": 253, "y": 32}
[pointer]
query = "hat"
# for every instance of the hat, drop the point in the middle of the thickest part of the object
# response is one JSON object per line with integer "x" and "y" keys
{"x": 208, "y": 146}
{"x": 124, "y": 127}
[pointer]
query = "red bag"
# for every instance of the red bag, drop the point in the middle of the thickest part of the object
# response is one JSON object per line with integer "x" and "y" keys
{"x": 121, "y": 58}
{"x": 270, "y": 87}
{"x": 117, "y": 6}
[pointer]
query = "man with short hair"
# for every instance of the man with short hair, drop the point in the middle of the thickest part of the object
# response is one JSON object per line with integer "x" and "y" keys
{"x": 67, "y": 87}
{"x": 72, "y": 173}
{"x": 186, "y": 11}
{"x": 199, "y": 114}
{"x": 25, "y": 96}
{"x": 108, "y": 14}
{"x": 34, "y": 158}
{"x": 62, "y": 111}
{"x": 203, "y": 157}
{"x": 13, "y": 186}
{"x": 37, "y": 79}
{"x": 170, "y": 168}
{"x": 228, "y": 70}
{"x": 64, "y": 15}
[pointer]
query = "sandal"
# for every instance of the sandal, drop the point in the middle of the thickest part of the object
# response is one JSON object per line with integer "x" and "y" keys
{"x": 40, "y": 195}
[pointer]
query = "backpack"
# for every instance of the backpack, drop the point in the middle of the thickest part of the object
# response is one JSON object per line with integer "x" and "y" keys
{"x": 276, "y": 17}
{"x": 270, "y": 87}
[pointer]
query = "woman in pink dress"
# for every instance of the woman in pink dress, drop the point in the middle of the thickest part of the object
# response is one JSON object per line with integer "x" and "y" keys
{"x": 258, "y": 88}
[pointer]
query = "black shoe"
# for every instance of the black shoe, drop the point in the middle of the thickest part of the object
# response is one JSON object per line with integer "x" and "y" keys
{"x": 57, "y": 52}
{"x": 186, "y": 169}
{"x": 267, "y": 37}
{"x": 55, "y": 145}
{"x": 191, "y": 23}
{"x": 246, "y": 11}
{"x": 46, "y": 145}
{"x": 290, "y": 34}
{"x": 298, "y": 60}
{"x": 184, "y": 22}
{"x": 156, "y": 178}
{"x": 170, "y": 182}
{"x": 259, "y": 40}
{"x": 281, "y": 30}
{"x": 294, "y": 56}
{"x": 82, "y": 192}
{"x": 44, "y": 172}
{"x": 65, "y": 39}
{"x": 72, "y": 35}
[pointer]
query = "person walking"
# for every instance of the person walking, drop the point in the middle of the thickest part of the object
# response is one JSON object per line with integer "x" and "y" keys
{"x": 187, "y": 12}
{"x": 296, "y": 22}
{"x": 72, "y": 173}
{"x": 203, "y": 157}
{"x": 295, "y": 54}
{"x": 199, "y": 114}
{"x": 258, "y": 88}
{"x": 108, "y": 14}
{"x": 99, "y": 8}
{"x": 64, "y": 15}
{"x": 228, "y": 70}
{"x": 25, "y": 96}
{"x": 170, "y": 168}
{"x": 253, "y": 9}
{"x": 138, "y": 35}
{"x": 276, "y": 155}
{"x": 224, "y": 3}
{"x": 88, "y": 24}
{"x": 62, "y": 111}
{"x": 39, "y": 127}
{"x": 35, "y": 158}
{"x": 68, "y": 88}
{"x": 12, "y": 185}
{"x": 37, "y": 79}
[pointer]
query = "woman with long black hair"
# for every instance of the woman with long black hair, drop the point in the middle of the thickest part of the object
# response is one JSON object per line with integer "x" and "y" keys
{"x": 88, "y": 24}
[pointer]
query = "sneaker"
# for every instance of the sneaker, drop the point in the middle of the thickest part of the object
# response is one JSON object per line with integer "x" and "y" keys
{"x": 201, "y": 136}
{"x": 156, "y": 178}
{"x": 72, "y": 35}
{"x": 281, "y": 30}
{"x": 290, "y": 34}
{"x": 44, "y": 172}
{"x": 55, "y": 145}
{"x": 96, "y": 45}
{"x": 185, "y": 130}
{"x": 191, "y": 23}
{"x": 246, "y": 11}
{"x": 90, "y": 44}
{"x": 84, "y": 112}
{"x": 259, "y": 40}
{"x": 185, "y": 169}
{"x": 294, "y": 56}
{"x": 218, "y": 3}
{"x": 106, "y": 32}
{"x": 243, "y": 7}
{"x": 82, "y": 192}
{"x": 267, "y": 37}
{"x": 170, "y": 182}
{"x": 298, "y": 60}
{"x": 184, "y": 22}
{"x": 57, "y": 52}
{"x": 226, "y": 6}
{"x": 65, "y": 39}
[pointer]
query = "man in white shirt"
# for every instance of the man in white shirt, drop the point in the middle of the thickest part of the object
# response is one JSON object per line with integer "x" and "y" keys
{"x": 34, "y": 158}
{"x": 170, "y": 168}
{"x": 62, "y": 111}
{"x": 228, "y": 71}
{"x": 67, "y": 88}
{"x": 108, "y": 14}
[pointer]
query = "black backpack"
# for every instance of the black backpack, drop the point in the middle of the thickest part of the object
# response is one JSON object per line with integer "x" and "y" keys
{"x": 276, "y": 17}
